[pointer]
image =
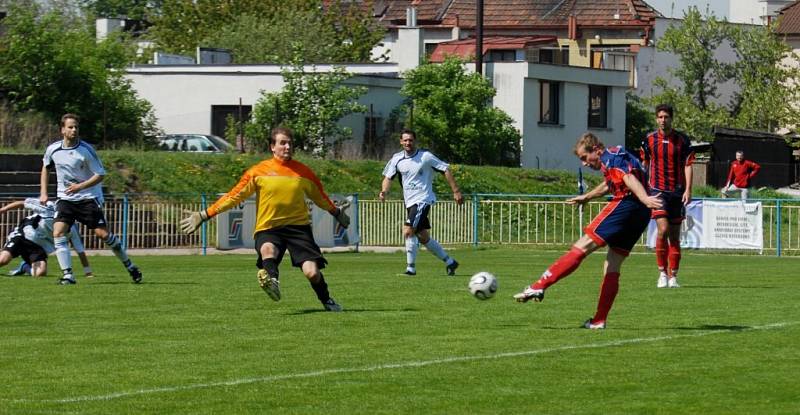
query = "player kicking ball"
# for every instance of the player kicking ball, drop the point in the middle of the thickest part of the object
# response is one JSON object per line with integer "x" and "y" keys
{"x": 619, "y": 225}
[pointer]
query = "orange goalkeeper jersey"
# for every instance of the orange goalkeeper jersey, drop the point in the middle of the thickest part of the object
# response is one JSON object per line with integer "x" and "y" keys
{"x": 281, "y": 189}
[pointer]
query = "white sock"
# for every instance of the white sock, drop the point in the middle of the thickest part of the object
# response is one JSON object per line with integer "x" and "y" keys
{"x": 412, "y": 246}
{"x": 437, "y": 250}
{"x": 63, "y": 255}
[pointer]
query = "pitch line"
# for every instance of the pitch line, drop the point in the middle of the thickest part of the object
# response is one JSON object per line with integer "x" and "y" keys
{"x": 389, "y": 366}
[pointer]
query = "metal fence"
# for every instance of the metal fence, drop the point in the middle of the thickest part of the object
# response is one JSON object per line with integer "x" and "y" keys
{"x": 146, "y": 221}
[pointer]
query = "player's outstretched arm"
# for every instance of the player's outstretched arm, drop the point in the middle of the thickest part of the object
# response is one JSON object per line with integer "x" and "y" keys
{"x": 598, "y": 191}
{"x": 459, "y": 198}
{"x": 44, "y": 178}
{"x": 12, "y": 205}
{"x": 190, "y": 223}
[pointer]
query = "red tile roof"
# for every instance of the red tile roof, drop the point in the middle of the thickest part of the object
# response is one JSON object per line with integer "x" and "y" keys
{"x": 465, "y": 48}
{"x": 516, "y": 13}
{"x": 789, "y": 19}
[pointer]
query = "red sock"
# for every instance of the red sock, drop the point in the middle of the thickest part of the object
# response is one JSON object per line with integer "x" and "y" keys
{"x": 608, "y": 292}
{"x": 661, "y": 253}
{"x": 674, "y": 256}
{"x": 561, "y": 268}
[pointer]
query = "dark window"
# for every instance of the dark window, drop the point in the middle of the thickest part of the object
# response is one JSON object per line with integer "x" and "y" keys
{"x": 373, "y": 143}
{"x": 546, "y": 56}
{"x": 548, "y": 102}
{"x": 598, "y": 105}
{"x": 220, "y": 113}
{"x": 502, "y": 56}
{"x": 429, "y": 48}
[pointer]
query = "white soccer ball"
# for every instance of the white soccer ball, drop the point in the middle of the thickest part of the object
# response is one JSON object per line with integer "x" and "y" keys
{"x": 483, "y": 285}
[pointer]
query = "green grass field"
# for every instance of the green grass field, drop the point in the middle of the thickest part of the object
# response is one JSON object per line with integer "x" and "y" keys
{"x": 199, "y": 337}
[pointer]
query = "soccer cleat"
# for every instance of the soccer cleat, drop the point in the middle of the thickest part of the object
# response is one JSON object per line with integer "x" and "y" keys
{"x": 67, "y": 280}
{"x": 589, "y": 324}
{"x": 270, "y": 285}
{"x": 673, "y": 283}
{"x": 136, "y": 275}
{"x": 451, "y": 268}
{"x": 410, "y": 272}
{"x": 662, "y": 281}
{"x": 332, "y": 305}
{"x": 529, "y": 294}
{"x": 23, "y": 269}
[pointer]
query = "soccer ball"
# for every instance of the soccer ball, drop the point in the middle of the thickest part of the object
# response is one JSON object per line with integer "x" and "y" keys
{"x": 483, "y": 285}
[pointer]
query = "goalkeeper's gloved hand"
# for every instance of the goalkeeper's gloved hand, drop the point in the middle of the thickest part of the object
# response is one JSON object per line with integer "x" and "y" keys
{"x": 341, "y": 217}
{"x": 193, "y": 221}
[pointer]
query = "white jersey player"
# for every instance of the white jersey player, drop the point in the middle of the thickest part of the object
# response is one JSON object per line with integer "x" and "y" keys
{"x": 80, "y": 197}
{"x": 415, "y": 168}
{"x": 32, "y": 239}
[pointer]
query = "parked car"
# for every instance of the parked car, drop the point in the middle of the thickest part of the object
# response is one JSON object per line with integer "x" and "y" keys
{"x": 203, "y": 143}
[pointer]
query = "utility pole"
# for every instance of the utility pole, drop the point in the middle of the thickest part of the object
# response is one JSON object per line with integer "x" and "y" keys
{"x": 479, "y": 37}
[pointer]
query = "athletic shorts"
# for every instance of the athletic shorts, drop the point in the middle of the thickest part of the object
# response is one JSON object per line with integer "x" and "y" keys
{"x": 88, "y": 212}
{"x": 619, "y": 225}
{"x": 299, "y": 239}
{"x": 18, "y": 246}
{"x": 418, "y": 217}
{"x": 672, "y": 206}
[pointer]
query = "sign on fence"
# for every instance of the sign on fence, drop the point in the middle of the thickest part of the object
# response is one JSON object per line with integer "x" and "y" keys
{"x": 731, "y": 224}
{"x": 235, "y": 226}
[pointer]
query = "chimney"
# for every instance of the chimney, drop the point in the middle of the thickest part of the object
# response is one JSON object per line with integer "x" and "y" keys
{"x": 572, "y": 27}
{"x": 411, "y": 17}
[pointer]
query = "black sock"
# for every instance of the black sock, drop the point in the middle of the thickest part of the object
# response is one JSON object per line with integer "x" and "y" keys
{"x": 271, "y": 266}
{"x": 321, "y": 288}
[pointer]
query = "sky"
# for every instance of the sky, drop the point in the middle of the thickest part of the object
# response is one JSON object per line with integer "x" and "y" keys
{"x": 718, "y": 7}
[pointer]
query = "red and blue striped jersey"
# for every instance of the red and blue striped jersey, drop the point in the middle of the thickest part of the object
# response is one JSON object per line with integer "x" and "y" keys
{"x": 615, "y": 163}
{"x": 666, "y": 157}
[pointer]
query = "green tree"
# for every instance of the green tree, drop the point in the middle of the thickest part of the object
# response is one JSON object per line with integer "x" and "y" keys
{"x": 639, "y": 121}
{"x": 259, "y": 31}
{"x": 311, "y": 104}
{"x": 764, "y": 84}
{"x": 453, "y": 117}
{"x": 51, "y": 63}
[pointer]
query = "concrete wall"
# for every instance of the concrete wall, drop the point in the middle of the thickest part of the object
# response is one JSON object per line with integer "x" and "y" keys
{"x": 550, "y": 146}
{"x": 182, "y": 96}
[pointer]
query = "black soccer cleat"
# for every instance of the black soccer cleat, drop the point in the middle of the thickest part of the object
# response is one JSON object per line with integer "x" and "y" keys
{"x": 451, "y": 269}
{"x": 136, "y": 275}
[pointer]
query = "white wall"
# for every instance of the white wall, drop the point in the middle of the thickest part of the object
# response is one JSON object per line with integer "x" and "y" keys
{"x": 182, "y": 96}
{"x": 550, "y": 147}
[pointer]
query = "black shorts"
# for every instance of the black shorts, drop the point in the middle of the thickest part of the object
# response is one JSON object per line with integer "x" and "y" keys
{"x": 88, "y": 212}
{"x": 672, "y": 206}
{"x": 299, "y": 239}
{"x": 18, "y": 246}
{"x": 418, "y": 217}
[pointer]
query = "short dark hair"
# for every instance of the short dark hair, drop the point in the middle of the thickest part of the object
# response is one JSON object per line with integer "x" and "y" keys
{"x": 69, "y": 116}
{"x": 666, "y": 108}
{"x": 280, "y": 130}
{"x": 409, "y": 132}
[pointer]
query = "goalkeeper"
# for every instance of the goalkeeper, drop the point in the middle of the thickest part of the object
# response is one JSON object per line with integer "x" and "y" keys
{"x": 282, "y": 218}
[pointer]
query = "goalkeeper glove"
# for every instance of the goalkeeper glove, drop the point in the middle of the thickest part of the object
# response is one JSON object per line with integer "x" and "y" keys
{"x": 341, "y": 217}
{"x": 193, "y": 221}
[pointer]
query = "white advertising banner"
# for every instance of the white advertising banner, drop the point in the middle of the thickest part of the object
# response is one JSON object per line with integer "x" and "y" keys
{"x": 733, "y": 225}
{"x": 730, "y": 224}
{"x": 235, "y": 226}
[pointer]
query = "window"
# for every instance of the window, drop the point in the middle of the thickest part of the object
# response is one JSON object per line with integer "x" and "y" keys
{"x": 598, "y": 106}
{"x": 502, "y": 56}
{"x": 548, "y": 102}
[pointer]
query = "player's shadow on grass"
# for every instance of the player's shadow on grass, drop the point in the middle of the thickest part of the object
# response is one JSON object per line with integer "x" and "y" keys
{"x": 351, "y": 310}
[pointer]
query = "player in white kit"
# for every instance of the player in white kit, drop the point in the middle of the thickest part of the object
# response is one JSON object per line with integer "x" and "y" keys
{"x": 34, "y": 236}
{"x": 416, "y": 168}
{"x": 80, "y": 197}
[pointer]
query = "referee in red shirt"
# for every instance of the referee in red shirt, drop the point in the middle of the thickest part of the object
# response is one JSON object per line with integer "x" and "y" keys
{"x": 667, "y": 158}
{"x": 739, "y": 176}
